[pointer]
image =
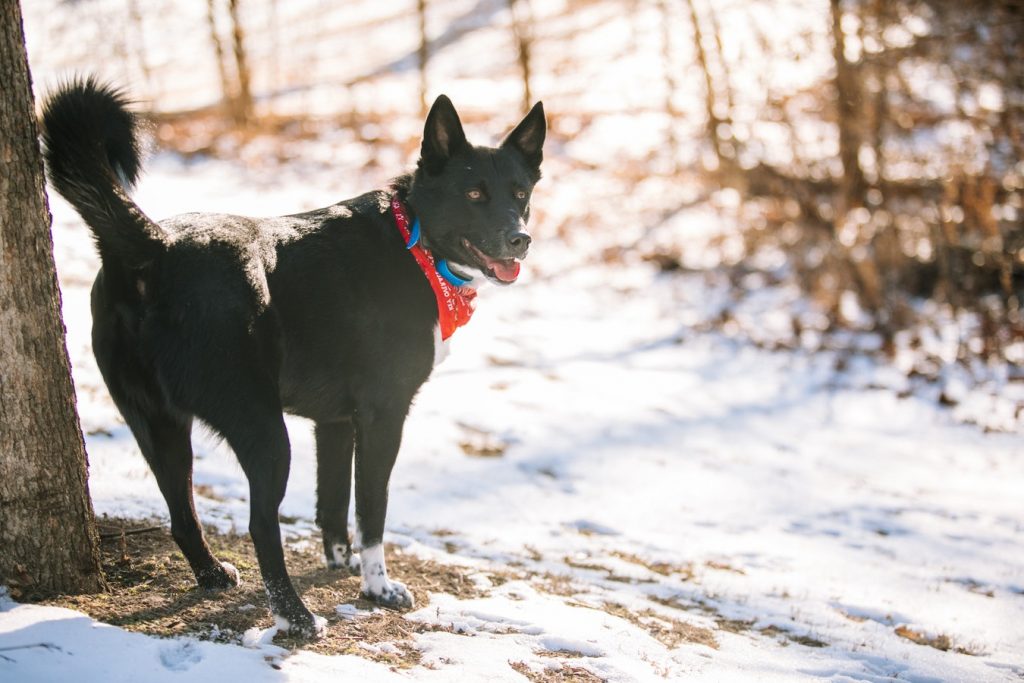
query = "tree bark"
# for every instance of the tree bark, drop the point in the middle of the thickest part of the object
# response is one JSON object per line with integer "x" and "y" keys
{"x": 47, "y": 531}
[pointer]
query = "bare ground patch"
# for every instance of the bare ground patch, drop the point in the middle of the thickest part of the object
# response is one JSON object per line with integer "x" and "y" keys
{"x": 668, "y": 631}
{"x": 738, "y": 626}
{"x": 152, "y": 591}
{"x": 609, "y": 573}
{"x": 557, "y": 584}
{"x": 565, "y": 672}
{"x": 939, "y": 642}
{"x": 800, "y": 639}
{"x": 684, "y": 571}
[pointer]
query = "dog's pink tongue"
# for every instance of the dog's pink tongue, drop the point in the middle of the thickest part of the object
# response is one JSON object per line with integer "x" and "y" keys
{"x": 506, "y": 271}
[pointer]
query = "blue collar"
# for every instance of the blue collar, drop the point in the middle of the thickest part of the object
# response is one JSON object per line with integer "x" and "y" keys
{"x": 442, "y": 264}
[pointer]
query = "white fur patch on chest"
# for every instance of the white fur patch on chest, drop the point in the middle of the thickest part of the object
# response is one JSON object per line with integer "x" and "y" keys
{"x": 440, "y": 347}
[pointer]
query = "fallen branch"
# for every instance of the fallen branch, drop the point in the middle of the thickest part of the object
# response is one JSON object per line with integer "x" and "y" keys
{"x": 129, "y": 532}
{"x": 46, "y": 646}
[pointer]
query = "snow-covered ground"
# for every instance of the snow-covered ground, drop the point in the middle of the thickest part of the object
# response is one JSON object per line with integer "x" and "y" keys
{"x": 808, "y": 518}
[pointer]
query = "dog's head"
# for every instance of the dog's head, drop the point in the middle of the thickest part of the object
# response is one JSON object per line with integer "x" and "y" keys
{"x": 474, "y": 202}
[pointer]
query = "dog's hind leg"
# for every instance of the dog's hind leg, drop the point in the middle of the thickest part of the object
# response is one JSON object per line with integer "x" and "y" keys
{"x": 162, "y": 429}
{"x": 334, "y": 444}
{"x": 166, "y": 443}
{"x": 259, "y": 438}
{"x": 378, "y": 436}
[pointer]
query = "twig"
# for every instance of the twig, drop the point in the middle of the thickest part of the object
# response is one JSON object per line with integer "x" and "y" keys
{"x": 46, "y": 646}
{"x": 129, "y": 532}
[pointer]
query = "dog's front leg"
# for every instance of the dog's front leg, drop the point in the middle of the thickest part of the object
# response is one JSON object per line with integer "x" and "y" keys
{"x": 334, "y": 445}
{"x": 378, "y": 436}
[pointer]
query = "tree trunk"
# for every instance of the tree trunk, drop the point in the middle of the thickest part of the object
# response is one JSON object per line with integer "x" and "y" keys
{"x": 522, "y": 26}
{"x": 726, "y": 85}
{"x": 714, "y": 121}
{"x": 139, "y": 38}
{"x": 47, "y": 531}
{"x": 668, "y": 65}
{"x": 848, "y": 103}
{"x": 423, "y": 54}
{"x": 243, "y": 100}
{"x": 227, "y": 89}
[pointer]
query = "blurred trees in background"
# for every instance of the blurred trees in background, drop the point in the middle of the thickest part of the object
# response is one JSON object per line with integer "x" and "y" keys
{"x": 522, "y": 26}
{"x": 869, "y": 151}
{"x": 236, "y": 91}
{"x": 927, "y": 97}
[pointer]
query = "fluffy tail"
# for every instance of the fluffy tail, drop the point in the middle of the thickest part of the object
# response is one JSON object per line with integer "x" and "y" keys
{"x": 92, "y": 154}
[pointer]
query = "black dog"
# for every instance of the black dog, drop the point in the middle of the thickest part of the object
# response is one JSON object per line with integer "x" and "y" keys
{"x": 330, "y": 314}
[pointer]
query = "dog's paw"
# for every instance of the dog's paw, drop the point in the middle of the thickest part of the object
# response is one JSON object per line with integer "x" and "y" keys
{"x": 342, "y": 557}
{"x": 376, "y": 584}
{"x": 305, "y": 625}
{"x": 220, "y": 576}
{"x": 389, "y": 593}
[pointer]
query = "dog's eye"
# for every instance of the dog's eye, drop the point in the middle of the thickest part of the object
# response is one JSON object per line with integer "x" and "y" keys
{"x": 520, "y": 194}
{"x": 474, "y": 195}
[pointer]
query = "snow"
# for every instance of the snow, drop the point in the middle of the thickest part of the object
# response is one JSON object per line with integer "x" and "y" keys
{"x": 46, "y": 643}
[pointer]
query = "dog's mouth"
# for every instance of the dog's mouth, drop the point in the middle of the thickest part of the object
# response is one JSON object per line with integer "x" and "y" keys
{"x": 503, "y": 270}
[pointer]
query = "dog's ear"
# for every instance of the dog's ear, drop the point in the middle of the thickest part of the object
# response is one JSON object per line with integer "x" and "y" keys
{"x": 528, "y": 136}
{"x": 442, "y": 134}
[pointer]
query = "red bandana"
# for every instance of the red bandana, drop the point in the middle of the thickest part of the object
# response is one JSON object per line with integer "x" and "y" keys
{"x": 454, "y": 304}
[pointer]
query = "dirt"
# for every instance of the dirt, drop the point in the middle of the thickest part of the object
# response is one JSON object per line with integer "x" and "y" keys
{"x": 152, "y": 591}
{"x": 685, "y": 572}
{"x": 557, "y": 674}
{"x": 609, "y": 574}
{"x": 669, "y": 631}
{"x": 789, "y": 636}
{"x": 939, "y": 642}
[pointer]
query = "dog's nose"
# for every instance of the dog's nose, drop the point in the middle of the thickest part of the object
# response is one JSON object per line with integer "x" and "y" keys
{"x": 519, "y": 242}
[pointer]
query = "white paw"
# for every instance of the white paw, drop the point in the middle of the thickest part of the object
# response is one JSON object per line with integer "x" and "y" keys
{"x": 343, "y": 558}
{"x": 389, "y": 594}
{"x": 377, "y": 586}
